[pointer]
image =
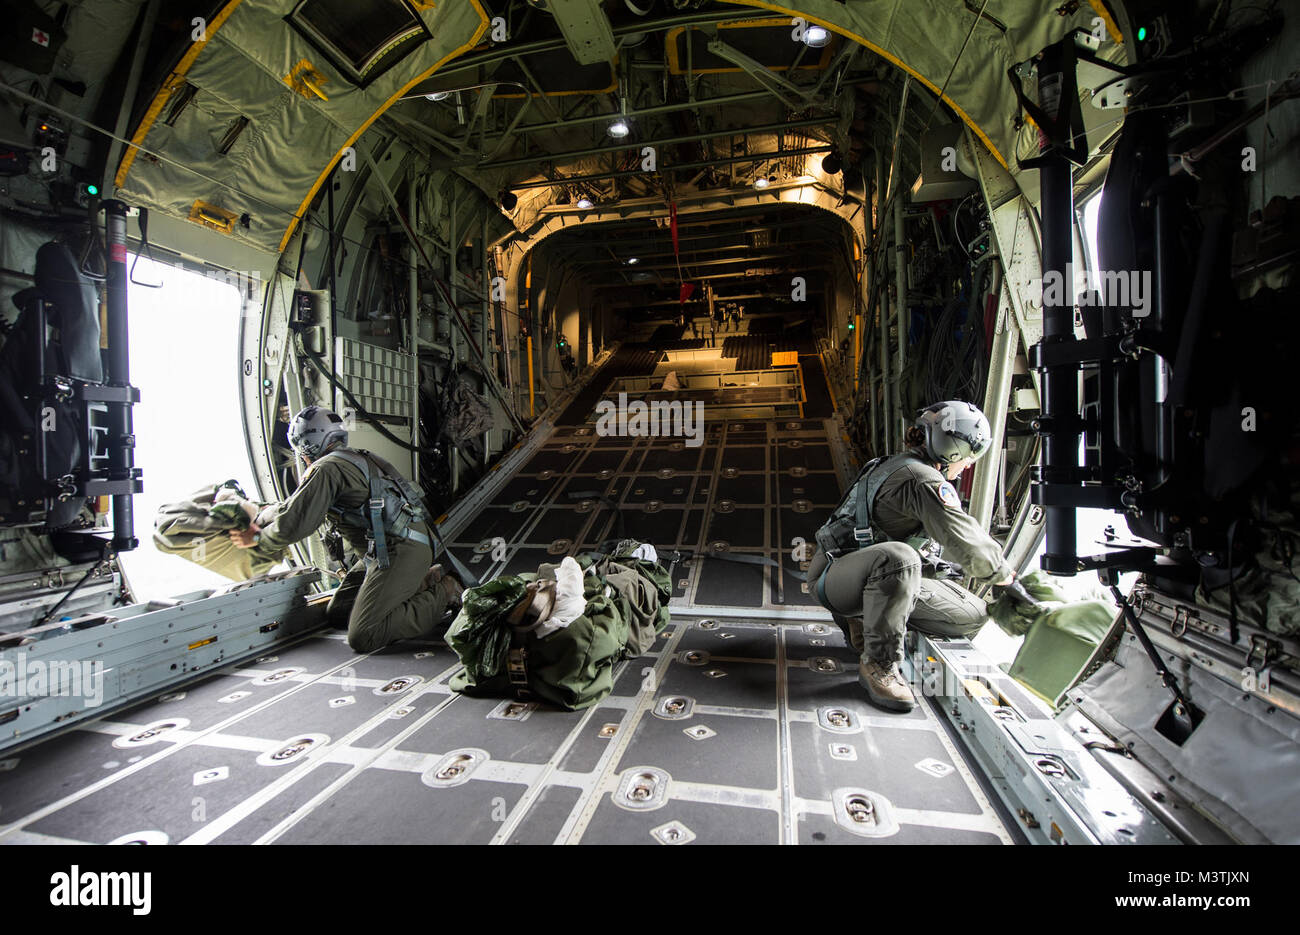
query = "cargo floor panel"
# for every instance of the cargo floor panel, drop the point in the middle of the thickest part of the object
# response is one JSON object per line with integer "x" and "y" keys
{"x": 820, "y": 829}
{"x": 176, "y": 796}
{"x": 333, "y": 710}
{"x": 704, "y": 823}
{"x": 546, "y": 816}
{"x": 711, "y": 748}
{"x": 726, "y": 638}
{"x": 261, "y": 818}
{"x": 36, "y": 777}
{"x": 391, "y": 807}
{"x": 528, "y": 734}
{"x": 213, "y": 700}
{"x": 911, "y": 768}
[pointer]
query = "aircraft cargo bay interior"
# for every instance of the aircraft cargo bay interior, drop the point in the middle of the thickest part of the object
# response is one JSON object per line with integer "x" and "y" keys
{"x": 660, "y": 422}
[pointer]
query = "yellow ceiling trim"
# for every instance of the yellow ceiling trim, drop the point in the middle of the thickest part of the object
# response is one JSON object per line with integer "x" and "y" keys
{"x": 966, "y": 118}
{"x": 484, "y": 24}
{"x": 174, "y": 81}
{"x": 1111, "y": 26}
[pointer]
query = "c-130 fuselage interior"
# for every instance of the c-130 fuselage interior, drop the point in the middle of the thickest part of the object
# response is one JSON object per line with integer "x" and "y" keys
{"x": 671, "y": 272}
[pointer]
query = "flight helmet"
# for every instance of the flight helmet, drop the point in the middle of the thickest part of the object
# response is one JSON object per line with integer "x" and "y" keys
{"x": 954, "y": 430}
{"x": 316, "y": 430}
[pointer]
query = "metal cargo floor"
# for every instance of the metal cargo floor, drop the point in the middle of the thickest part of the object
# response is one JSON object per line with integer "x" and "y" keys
{"x": 743, "y": 725}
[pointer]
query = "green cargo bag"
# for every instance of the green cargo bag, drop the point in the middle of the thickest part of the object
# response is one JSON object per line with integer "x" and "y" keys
{"x": 1059, "y": 640}
{"x": 572, "y": 668}
{"x": 626, "y": 607}
{"x": 197, "y": 530}
{"x": 642, "y": 590}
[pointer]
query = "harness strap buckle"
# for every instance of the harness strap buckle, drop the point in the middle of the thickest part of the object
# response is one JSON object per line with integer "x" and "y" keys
{"x": 517, "y": 669}
{"x": 377, "y": 531}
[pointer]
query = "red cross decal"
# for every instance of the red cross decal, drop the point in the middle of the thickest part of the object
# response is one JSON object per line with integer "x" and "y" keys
{"x": 40, "y": 38}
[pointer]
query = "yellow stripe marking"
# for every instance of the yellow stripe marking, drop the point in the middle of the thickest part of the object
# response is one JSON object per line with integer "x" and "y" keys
{"x": 484, "y": 24}
{"x": 966, "y": 118}
{"x": 174, "y": 81}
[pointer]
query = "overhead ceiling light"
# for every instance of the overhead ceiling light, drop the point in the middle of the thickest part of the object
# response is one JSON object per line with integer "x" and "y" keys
{"x": 619, "y": 128}
{"x": 761, "y": 182}
{"x": 584, "y": 203}
{"x": 816, "y": 36}
{"x": 438, "y": 96}
{"x": 632, "y": 261}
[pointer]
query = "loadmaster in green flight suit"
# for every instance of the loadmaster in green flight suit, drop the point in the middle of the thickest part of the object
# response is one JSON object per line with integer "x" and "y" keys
{"x": 866, "y": 568}
{"x": 391, "y": 593}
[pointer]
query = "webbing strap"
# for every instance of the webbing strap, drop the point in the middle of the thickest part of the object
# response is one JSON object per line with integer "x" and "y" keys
{"x": 412, "y": 496}
{"x": 362, "y": 460}
{"x": 517, "y": 670}
{"x": 377, "y": 518}
{"x": 467, "y": 577}
{"x": 875, "y": 479}
{"x": 741, "y": 558}
{"x": 736, "y": 557}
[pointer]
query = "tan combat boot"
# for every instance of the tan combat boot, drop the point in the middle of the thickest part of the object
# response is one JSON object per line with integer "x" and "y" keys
{"x": 855, "y": 634}
{"x": 886, "y": 687}
{"x": 449, "y": 585}
{"x": 852, "y": 627}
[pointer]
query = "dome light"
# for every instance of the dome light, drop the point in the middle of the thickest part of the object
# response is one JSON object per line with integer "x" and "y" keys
{"x": 633, "y": 261}
{"x": 438, "y": 96}
{"x": 619, "y": 128}
{"x": 815, "y": 36}
{"x": 761, "y": 182}
{"x": 584, "y": 203}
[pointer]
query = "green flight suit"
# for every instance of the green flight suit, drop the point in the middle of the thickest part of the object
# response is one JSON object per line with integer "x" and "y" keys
{"x": 882, "y": 583}
{"x": 380, "y": 605}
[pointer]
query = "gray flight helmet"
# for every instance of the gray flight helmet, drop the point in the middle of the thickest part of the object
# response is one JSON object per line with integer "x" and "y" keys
{"x": 315, "y": 430}
{"x": 954, "y": 430}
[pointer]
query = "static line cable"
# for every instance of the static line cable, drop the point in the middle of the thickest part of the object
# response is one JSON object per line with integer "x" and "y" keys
{"x": 970, "y": 32}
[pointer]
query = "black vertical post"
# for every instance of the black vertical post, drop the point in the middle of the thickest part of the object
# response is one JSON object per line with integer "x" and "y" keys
{"x": 38, "y": 356}
{"x": 121, "y": 432}
{"x": 334, "y": 318}
{"x": 1059, "y": 383}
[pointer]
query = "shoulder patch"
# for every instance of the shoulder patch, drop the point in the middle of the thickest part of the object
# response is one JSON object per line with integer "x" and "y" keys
{"x": 948, "y": 494}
